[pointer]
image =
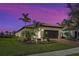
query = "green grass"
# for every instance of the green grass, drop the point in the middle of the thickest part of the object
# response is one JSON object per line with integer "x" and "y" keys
{"x": 11, "y": 47}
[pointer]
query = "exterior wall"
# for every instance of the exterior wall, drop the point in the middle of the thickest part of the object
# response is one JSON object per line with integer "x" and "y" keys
{"x": 19, "y": 33}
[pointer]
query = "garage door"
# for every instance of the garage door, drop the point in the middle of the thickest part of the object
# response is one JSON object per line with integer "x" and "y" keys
{"x": 51, "y": 34}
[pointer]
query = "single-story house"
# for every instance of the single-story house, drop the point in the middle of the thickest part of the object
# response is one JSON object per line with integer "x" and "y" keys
{"x": 52, "y": 32}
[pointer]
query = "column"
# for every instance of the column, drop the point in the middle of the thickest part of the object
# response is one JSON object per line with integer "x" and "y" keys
{"x": 59, "y": 34}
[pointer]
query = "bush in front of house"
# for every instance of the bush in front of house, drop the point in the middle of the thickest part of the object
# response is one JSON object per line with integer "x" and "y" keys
{"x": 27, "y": 36}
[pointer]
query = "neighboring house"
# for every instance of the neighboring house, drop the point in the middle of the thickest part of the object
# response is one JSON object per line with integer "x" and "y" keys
{"x": 52, "y": 32}
{"x": 71, "y": 34}
{"x": 70, "y": 30}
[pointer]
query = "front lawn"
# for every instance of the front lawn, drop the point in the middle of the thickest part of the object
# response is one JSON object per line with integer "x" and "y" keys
{"x": 11, "y": 46}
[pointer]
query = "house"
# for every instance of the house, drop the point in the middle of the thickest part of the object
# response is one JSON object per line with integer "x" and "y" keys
{"x": 71, "y": 34}
{"x": 52, "y": 32}
{"x": 70, "y": 29}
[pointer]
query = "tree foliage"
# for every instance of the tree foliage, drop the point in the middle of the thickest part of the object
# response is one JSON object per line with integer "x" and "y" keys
{"x": 25, "y": 18}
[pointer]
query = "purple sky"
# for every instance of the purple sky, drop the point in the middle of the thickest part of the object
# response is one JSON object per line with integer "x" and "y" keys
{"x": 48, "y": 13}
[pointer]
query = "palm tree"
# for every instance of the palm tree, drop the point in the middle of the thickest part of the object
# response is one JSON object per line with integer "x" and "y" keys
{"x": 65, "y": 23}
{"x": 36, "y": 25}
{"x": 74, "y": 12}
{"x": 74, "y": 17}
{"x": 25, "y": 18}
{"x": 71, "y": 10}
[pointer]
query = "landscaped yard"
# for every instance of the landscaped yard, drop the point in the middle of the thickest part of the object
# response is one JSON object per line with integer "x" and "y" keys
{"x": 11, "y": 46}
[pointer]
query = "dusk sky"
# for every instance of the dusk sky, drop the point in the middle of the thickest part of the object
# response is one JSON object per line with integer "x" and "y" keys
{"x": 51, "y": 13}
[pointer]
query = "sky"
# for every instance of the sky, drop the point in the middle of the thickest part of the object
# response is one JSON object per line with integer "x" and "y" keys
{"x": 50, "y": 13}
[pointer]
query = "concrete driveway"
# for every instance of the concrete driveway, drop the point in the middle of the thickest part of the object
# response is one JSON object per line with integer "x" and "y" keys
{"x": 59, "y": 53}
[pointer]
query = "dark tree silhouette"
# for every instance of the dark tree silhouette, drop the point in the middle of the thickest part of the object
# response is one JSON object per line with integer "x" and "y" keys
{"x": 25, "y": 18}
{"x": 69, "y": 6}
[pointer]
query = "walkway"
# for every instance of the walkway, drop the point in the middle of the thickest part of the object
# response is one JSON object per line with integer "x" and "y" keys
{"x": 58, "y": 53}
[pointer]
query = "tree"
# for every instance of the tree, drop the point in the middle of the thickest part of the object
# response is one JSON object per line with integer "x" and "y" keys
{"x": 73, "y": 21}
{"x": 69, "y": 6}
{"x": 28, "y": 35}
{"x": 67, "y": 23}
{"x": 6, "y": 32}
{"x": 1, "y": 34}
{"x": 25, "y": 18}
{"x": 74, "y": 13}
{"x": 74, "y": 17}
{"x": 36, "y": 25}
